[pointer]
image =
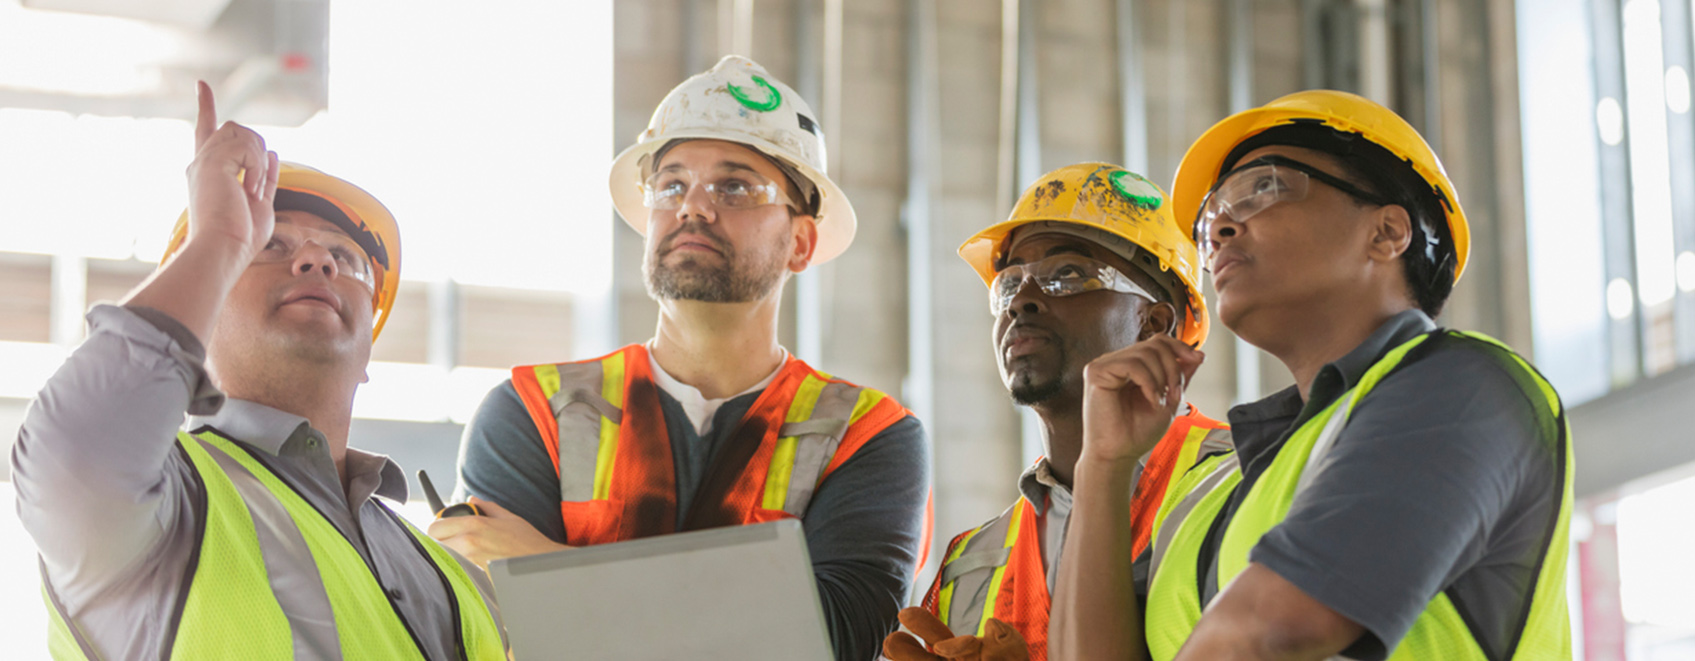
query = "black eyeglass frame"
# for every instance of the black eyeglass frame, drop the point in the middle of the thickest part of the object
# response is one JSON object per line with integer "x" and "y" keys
{"x": 1285, "y": 162}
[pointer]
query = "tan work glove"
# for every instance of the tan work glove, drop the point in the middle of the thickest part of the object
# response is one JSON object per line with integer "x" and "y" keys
{"x": 999, "y": 642}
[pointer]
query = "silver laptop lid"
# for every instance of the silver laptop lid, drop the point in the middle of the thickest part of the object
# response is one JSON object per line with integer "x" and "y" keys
{"x": 743, "y": 592}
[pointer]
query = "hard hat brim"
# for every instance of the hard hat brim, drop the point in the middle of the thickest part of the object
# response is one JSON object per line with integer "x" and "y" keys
{"x": 1200, "y": 166}
{"x": 360, "y": 206}
{"x": 836, "y": 220}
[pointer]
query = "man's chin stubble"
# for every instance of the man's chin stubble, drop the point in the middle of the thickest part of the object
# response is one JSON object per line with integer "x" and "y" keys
{"x": 1025, "y": 393}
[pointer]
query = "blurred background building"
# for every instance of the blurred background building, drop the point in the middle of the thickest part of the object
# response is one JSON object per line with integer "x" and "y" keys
{"x": 488, "y": 128}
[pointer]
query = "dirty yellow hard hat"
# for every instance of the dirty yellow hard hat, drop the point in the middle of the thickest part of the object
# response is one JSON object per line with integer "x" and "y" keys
{"x": 1341, "y": 111}
{"x": 1119, "y": 202}
{"x": 348, "y": 206}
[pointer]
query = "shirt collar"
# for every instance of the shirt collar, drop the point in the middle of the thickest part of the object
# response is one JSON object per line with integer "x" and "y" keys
{"x": 1332, "y": 380}
{"x": 1035, "y": 482}
{"x": 1337, "y": 377}
{"x": 253, "y": 423}
{"x": 269, "y": 429}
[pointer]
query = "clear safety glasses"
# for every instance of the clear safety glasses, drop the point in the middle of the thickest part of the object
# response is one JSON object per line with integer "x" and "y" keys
{"x": 1059, "y": 275}
{"x": 735, "y": 188}
{"x": 350, "y": 260}
{"x": 1255, "y": 186}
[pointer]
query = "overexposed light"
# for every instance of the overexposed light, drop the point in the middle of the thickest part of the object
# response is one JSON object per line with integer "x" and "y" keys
{"x": 1650, "y": 155}
{"x": 25, "y": 624}
{"x": 1686, "y": 271}
{"x": 424, "y": 393}
{"x": 1656, "y": 579}
{"x": 1557, "y": 107}
{"x": 95, "y": 187}
{"x": 1609, "y": 119}
{"x": 1677, "y": 89}
{"x": 402, "y": 391}
{"x": 1620, "y": 303}
{"x": 28, "y": 365}
{"x": 493, "y": 153}
{"x": 504, "y": 186}
{"x": 61, "y": 52}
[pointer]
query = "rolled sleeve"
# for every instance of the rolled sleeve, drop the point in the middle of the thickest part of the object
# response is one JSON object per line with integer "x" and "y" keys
{"x": 1433, "y": 465}
{"x": 90, "y": 460}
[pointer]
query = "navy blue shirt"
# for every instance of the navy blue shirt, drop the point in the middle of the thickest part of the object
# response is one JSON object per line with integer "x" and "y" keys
{"x": 863, "y": 525}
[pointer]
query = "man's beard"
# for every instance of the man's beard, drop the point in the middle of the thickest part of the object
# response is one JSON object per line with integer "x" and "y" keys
{"x": 1027, "y": 392}
{"x": 734, "y": 281}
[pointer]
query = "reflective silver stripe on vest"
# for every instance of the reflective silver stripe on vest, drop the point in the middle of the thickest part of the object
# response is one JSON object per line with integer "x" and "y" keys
{"x": 971, "y": 584}
{"x": 1216, "y": 441}
{"x": 1174, "y": 518}
{"x": 816, "y": 440}
{"x": 1326, "y": 439}
{"x": 578, "y": 407}
{"x": 294, "y": 576}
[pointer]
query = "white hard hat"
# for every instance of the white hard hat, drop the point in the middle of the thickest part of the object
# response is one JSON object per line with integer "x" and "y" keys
{"x": 737, "y": 101}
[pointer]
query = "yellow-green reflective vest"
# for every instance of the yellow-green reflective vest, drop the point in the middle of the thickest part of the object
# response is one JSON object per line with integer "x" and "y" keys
{"x": 1173, "y": 605}
{"x": 229, "y": 610}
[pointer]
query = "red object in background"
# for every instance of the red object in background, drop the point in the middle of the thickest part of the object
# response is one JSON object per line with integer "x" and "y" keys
{"x": 1604, "y": 627}
{"x": 296, "y": 62}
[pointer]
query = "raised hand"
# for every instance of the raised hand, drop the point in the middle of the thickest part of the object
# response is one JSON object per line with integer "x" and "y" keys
{"x": 1131, "y": 396}
{"x": 231, "y": 182}
{"x": 999, "y": 642}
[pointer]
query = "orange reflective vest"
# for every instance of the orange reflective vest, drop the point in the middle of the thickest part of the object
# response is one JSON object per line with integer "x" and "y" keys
{"x": 605, "y": 432}
{"x": 1002, "y": 559}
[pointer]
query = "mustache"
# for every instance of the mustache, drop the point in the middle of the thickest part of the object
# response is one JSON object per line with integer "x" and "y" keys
{"x": 696, "y": 228}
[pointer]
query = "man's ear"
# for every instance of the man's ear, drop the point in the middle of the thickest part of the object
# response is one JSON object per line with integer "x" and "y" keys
{"x": 1391, "y": 233}
{"x": 1158, "y": 319}
{"x": 804, "y": 228}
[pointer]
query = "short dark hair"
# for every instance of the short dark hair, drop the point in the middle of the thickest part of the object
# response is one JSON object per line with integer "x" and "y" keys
{"x": 1429, "y": 262}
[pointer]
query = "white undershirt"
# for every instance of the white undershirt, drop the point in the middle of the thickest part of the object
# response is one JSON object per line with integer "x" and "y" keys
{"x": 700, "y": 409}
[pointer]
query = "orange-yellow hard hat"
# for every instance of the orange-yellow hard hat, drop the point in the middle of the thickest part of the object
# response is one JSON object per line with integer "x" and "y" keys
{"x": 348, "y": 206}
{"x": 1119, "y": 202}
{"x": 1344, "y": 112}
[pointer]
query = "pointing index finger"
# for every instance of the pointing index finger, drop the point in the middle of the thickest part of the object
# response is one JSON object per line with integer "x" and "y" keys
{"x": 206, "y": 122}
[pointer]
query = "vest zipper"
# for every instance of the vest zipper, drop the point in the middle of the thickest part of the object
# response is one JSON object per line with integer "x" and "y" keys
{"x": 452, "y": 595}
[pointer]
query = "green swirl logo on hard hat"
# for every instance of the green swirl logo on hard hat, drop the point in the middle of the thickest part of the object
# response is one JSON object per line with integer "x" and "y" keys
{"x": 1137, "y": 190}
{"x": 773, "y": 98}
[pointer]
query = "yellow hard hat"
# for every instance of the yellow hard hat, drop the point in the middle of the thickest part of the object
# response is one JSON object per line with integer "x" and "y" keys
{"x": 739, "y": 101}
{"x": 1344, "y": 112}
{"x": 349, "y": 207}
{"x": 1114, "y": 200}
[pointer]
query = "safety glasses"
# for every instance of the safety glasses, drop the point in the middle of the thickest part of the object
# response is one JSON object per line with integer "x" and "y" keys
{"x": 731, "y": 188}
{"x": 1059, "y": 275}
{"x": 350, "y": 260}
{"x": 1252, "y": 187}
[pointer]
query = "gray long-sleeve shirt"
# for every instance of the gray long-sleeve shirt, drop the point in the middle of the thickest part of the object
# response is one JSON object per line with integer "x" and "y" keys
{"x": 110, "y": 502}
{"x": 863, "y": 526}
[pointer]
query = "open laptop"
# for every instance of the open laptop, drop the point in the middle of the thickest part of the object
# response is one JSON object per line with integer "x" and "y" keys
{"x": 743, "y": 593}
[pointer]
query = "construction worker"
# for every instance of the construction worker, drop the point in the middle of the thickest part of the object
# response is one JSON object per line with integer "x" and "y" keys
{"x": 1407, "y": 498}
{"x": 1090, "y": 261}
{"x": 711, "y": 422}
{"x": 254, "y": 534}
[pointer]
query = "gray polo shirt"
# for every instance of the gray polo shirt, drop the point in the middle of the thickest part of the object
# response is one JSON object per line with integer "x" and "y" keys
{"x": 110, "y": 501}
{"x": 1443, "y": 480}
